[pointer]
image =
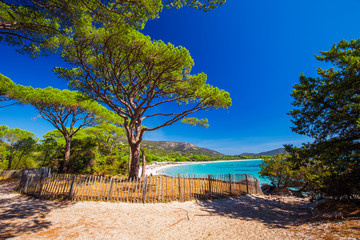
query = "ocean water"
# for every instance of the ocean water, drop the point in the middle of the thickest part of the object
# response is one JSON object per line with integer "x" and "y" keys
{"x": 234, "y": 167}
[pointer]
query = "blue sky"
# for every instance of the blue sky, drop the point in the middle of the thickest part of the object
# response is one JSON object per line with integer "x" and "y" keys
{"x": 255, "y": 50}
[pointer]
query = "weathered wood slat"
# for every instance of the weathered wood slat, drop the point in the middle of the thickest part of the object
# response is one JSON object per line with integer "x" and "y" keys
{"x": 92, "y": 187}
{"x": 45, "y": 188}
{"x": 219, "y": 181}
{"x": 174, "y": 188}
{"x": 65, "y": 180}
{"x": 118, "y": 188}
{"x": 82, "y": 189}
{"x": 95, "y": 189}
{"x": 55, "y": 187}
{"x": 163, "y": 185}
{"x": 180, "y": 190}
{"x": 100, "y": 187}
{"x": 128, "y": 190}
{"x": 88, "y": 187}
{"x": 52, "y": 186}
{"x": 136, "y": 190}
{"x": 141, "y": 180}
{"x": 114, "y": 194}
{"x": 122, "y": 190}
{"x": 156, "y": 187}
{"x": 60, "y": 187}
{"x": 160, "y": 188}
{"x": 74, "y": 193}
{"x": 103, "y": 186}
{"x": 111, "y": 183}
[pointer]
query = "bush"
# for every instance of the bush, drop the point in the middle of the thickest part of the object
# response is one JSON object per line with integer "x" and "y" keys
{"x": 278, "y": 170}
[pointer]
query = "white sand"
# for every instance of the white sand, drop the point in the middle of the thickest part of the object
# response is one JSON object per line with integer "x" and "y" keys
{"x": 155, "y": 168}
{"x": 246, "y": 217}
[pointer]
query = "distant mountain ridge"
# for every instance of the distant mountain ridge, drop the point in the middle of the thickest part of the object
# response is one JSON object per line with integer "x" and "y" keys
{"x": 164, "y": 147}
{"x": 189, "y": 148}
{"x": 268, "y": 153}
{"x": 183, "y": 147}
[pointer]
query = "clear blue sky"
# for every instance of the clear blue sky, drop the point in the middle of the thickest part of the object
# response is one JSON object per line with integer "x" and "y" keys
{"x": 256, "y": 50}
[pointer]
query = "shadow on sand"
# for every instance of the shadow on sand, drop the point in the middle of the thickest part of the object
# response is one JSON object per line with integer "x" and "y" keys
{"x": 274, "y": 213}
{"x": 20, "y": 214}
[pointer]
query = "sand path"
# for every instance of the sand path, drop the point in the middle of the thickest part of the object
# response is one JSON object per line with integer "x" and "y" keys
{"x": 245, "y": 217}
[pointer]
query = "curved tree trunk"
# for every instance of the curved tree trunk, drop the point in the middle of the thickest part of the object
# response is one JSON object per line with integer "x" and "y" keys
{"x": 17, "y": 165}
{"x": 67, "y": 154}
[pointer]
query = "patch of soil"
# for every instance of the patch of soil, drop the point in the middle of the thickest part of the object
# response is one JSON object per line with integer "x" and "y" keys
{"x": 333, "y": 209}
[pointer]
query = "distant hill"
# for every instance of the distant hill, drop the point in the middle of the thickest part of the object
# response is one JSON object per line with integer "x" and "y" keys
{"x": 268, "y": 153}
{"x": 182, "y": 147}
{"x": 168, "y": 147}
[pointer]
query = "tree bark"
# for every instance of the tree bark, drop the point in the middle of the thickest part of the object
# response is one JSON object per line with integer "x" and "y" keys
{"x": 9, "y": 164}
{"x": 22, "y": 154}
{"x": 135, "y": 161}
{"x": 12, "y": 154}
{"x": 67, "y": 154}
{"x": 129, "y": 163}
{"x": 143, "y": 162}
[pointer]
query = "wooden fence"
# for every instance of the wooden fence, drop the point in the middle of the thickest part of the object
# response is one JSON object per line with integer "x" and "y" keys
{"x": 150, "y": 189}
{"x": 9, "y": 174}
{"x": 44, "y": 171}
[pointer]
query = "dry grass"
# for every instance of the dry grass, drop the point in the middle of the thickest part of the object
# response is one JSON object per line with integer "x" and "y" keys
{"x": 341, "y": 209}
{"x": 334, "y": 220}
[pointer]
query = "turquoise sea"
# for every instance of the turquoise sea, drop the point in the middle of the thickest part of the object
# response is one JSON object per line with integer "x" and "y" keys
{"x": 234, "y": 167}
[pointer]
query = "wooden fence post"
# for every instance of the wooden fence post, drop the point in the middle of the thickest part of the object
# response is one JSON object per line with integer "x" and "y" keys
{"x": 209, "y": 177}
{"x": 31, "y": 185}
{"x": 144, "y": 189}
{"x": 179, "y": 187}
{"x": 22, "y": 181}
{"x": 247, "y": 183}
{"x": 27, "y": 183}
{"x": 110, "y": 189}
{"x": 71, "y": 191}
{"x": 230, "y": 183}
{"x": 41, "y": 185}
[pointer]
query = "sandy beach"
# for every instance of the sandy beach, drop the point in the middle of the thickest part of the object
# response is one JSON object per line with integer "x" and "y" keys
{"x": 246, "y": 217}
{"x": 155, "y": 168}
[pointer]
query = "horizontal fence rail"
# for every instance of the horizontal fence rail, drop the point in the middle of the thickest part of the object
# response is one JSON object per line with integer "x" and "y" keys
{"x": 150, "y": 189}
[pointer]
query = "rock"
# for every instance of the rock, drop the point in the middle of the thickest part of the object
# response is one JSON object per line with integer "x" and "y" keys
{"x": 266, "y": 188}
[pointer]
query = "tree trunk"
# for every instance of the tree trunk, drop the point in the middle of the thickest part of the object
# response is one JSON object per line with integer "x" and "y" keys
{"x": 11, "y": 157}
{"x": 143, "y": 162}
{"x": 9, "y": 164}
{"x": 135, "y": 161}
{"x": 22, "y": 154}
{"x": 129, "y": 159}
{"x": 67, "y": 154}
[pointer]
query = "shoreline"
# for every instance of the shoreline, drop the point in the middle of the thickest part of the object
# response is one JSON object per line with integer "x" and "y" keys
{"x": 154, "y": 168}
